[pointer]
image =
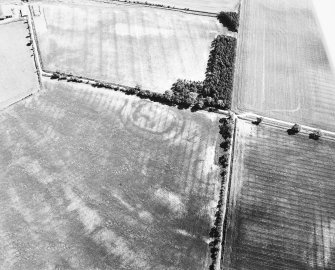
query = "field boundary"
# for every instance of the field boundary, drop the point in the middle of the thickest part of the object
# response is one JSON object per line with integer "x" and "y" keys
{"x": 284, "y": 125}
{"x": 158, "y": 6}
{"x": 35, "y": 49}
{"x": 166, "y": 7}
{"x": 10, "y": 20}
{"x": 239, "y": 41}
{"x": 34, "y": 38}
{"x": 226, "y": 185}
{"x": 227, "y": 218}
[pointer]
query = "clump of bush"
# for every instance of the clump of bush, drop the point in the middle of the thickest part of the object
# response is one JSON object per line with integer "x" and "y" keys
{"x": 68, "y": 77}
{"x": 258, "y": 121}
{"x": 229, "y": 20}
{"x": 296, "y": 128}
{"x": 226, "y": 130}
{"x": 315, "y": 135}
{"x": 58, "y": 75}
{"x": 74, "y": 79}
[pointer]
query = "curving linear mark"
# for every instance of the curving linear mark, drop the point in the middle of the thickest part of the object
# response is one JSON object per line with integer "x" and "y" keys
{"x": 151, "y": 120}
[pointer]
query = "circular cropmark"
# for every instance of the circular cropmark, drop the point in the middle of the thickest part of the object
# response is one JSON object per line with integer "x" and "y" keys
{"x": 152, "y": 121}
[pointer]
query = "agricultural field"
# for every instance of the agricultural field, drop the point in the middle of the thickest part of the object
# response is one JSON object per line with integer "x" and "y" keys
{"x": 126, "y": 44}
{"x": 281, "y": 210}
{"x": 282, "y": 68}
{"x": 94, "y": 179}
{"x": 18, "y": 77}
{"x": 211, "y": 6}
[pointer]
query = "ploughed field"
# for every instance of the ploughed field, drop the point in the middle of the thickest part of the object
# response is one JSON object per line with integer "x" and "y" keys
{"x": 282, "y": 200}
{"x": 126, "y": 44}
{"x": 92, "y": 179}
{"x": 211, "y": 6}
{"x": 18, "y": 77}
{"x": 282, "y": 68}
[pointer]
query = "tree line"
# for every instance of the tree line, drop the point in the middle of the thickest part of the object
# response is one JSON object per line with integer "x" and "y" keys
{"x": 220, "y": 223}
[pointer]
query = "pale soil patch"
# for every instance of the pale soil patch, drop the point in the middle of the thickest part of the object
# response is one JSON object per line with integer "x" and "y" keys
{"x": 128, "y": 45}
{"x": 116, "y": 185}
{"x": 18, "y": 77}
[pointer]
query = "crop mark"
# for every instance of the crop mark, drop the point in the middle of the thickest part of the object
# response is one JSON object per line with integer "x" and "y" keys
{"x": 146, "y": 117}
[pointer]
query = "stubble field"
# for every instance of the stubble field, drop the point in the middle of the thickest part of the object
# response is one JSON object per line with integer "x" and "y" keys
{"x": 281, "y": 211}
{"x": 18, "y": 77}
{"x": 282, "y": 68}
{"x": 99, "y": 180}
{"x": 128, "y": 45}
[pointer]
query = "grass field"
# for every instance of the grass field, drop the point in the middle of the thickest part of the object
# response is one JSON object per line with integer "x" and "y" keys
{"x": 211, "y": 6}
{"x": 18, "y": 77}
{"x": 281, "y": 211}
{"x": 282, "y": 68}
{"x": 99, "y": 180}
{"x": 128, "y": 45}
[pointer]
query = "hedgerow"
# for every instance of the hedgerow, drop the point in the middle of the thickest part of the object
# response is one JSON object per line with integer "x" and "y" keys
{"x": 219, "y": 228}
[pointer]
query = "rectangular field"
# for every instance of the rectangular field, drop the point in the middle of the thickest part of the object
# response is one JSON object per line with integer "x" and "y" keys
{"x": 128, "y": 45}
{"x": 18, "y": 77}
{"x": 282, "y": 201}
{"x": 282, "y": 68}
{"x": 93, "y": 179}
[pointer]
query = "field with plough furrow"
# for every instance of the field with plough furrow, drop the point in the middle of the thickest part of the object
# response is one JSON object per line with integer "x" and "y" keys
{"x": 282, "y": 200}
{"x": 282, "y": 68}
{"x": 95, "y": 179}
{"x": 126, "y": 44}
